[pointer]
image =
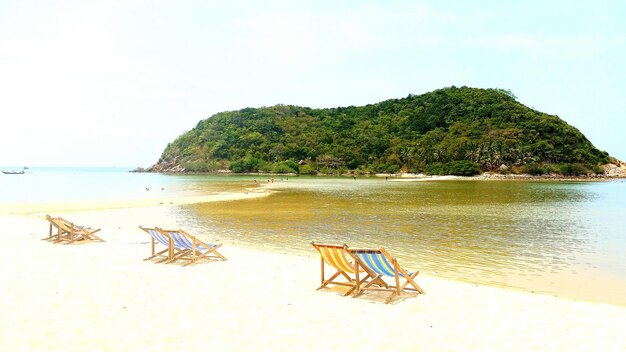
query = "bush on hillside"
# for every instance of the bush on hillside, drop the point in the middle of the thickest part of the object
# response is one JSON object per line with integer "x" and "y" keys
{"x": 456, "y": 168}
{"x": 247, "y": 164}
{"x": 285, "y": 167}
{"x": 572, "y": 169}
{"x": 463, "y": 168}
{"x": 533, "y": 169}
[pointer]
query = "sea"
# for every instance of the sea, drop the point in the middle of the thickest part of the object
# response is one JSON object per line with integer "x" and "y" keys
{"x": 563, "y": 238}
{"x": 74, "y": 184}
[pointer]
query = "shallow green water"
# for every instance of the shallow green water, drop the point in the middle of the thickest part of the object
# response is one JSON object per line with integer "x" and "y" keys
{"x": 555, "y": 237}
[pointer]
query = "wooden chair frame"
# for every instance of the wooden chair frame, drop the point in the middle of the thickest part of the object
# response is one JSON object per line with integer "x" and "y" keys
{"x": 60, "y": 233}
{"x": 169, "y": 244}
{"x": 337, "y": 257}
{"x": 70, "y": 232}
{"x": 395, "y": 270}
{"x": 190, "y": 247}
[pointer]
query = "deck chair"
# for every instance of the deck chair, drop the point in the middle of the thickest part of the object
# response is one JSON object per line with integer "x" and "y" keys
{"x": 378, "y": 263}
{"x": 70, "y": 232}
{"x": 60, "y": 231}
{"x": 191, "y": 248}
{"x": 161, "y": 238}
{"x": 338, "y": 258}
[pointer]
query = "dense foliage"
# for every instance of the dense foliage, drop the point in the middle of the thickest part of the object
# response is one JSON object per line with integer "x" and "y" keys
{"x": 487, "y": 128}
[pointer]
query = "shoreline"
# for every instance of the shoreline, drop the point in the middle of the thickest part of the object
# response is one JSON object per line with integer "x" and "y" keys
{"x": 420, "y": 177}
{"x": 501, "y": 177}
{"x": 108, "y": 298}
{"x": 38, "y": 208}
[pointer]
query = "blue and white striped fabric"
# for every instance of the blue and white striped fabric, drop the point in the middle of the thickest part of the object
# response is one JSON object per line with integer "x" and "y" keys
{"x": 182, "y": 241}
{"x": 159, "y": 237}
{"x": 377, "y": 262}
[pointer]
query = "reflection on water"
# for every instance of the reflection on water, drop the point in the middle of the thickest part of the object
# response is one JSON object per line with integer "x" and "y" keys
{"x": 563, "y": 238}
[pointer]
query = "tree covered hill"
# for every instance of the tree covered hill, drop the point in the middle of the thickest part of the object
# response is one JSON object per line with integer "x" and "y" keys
{"x": 443, "y": 131}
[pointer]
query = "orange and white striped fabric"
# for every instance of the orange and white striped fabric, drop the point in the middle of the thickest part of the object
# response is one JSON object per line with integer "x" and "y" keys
{"x": 335, "y": 256}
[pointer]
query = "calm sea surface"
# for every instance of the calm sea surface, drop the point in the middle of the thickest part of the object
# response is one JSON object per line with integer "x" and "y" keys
{"x": 50, "y": 184}
{"x": 563, "y": 238}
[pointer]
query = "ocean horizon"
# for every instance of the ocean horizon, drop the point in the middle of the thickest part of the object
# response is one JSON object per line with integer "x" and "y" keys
{"x": 50, "y": 184}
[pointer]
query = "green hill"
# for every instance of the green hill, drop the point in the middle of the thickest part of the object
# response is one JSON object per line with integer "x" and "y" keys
{"x": 451, "y": 130}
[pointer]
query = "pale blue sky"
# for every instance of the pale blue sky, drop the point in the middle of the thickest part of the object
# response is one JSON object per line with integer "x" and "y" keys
{"x": 110, "y": 83}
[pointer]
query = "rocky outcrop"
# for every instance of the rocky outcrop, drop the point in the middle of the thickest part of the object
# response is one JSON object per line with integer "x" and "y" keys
{"x": 163, "y": 166}
{"x": 616, "y": 168}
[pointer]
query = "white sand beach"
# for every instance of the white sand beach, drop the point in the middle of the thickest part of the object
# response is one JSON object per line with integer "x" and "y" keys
{"x": 40, "y": 208}
{"x": 104, "y": 297}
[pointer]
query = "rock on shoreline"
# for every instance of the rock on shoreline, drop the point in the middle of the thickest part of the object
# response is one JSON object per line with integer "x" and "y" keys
{"x": 163, "y": 167}
{"x": 616, "y": 169}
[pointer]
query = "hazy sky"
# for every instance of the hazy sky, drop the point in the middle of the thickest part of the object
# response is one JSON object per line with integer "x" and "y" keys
{"x": 110, "y": 83}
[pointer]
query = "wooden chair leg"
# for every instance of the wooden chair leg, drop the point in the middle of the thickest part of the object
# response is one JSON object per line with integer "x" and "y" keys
{"x": 377, "y": 278}
{"x": 356, "y": 284}
{"x": 156, "y": 255}
{"x": 322, "y": 282}
{"x": 326, "y": 282}
{"x": 410, "y": 280}
{"x": 395, "y": 266}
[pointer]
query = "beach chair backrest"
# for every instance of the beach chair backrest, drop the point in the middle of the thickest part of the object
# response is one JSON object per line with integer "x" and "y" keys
{"x": 375, "y": 260}
{"x": 335, "y": 256}
{"x": 57, "y": 223}
{"x": 66, "y": 225}
{"x": 184, "y": 240}
{"x": 53, "y": 221}
{"x": 157, "y": 236}
{"x": 180, "y": 240}
{"x": 70, "y": 226}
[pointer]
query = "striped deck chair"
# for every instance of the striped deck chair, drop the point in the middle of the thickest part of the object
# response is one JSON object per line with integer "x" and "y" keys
{"x": 193, "y": 248}
{"x": 162, "y": 238}
{"x": 337, "y": 257}
{"x": 378, "y": 263}
{"x": 70, "y": 232}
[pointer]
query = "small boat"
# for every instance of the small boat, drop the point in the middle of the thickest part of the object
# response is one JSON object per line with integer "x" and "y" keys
{"x": 13, "y": 172}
